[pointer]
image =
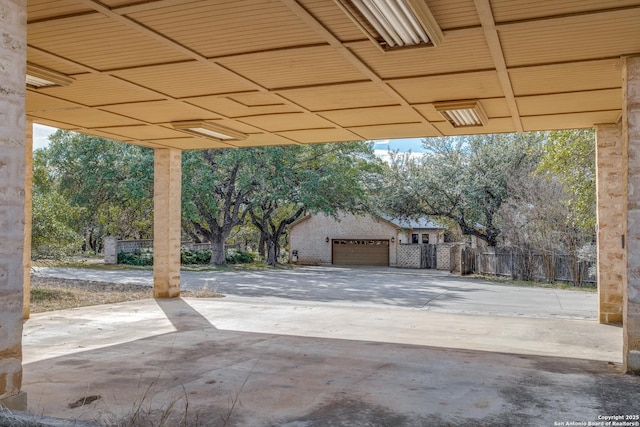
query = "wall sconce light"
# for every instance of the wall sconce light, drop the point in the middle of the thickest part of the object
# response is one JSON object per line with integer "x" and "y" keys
{"x": 327, "y": 239}
{"x": 393, "y": 239}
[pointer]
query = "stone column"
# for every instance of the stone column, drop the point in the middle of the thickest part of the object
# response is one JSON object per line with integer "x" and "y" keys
{"x": 611, "y": 190}
{"x": 110, "y": 250}
{"x": 631, "y": 143}
{"x": 13, "y": 29}
{"x": 28, "y": 203}
{"x": 167, "y": 222}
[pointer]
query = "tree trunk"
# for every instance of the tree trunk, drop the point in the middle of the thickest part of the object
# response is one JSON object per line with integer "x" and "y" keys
{"x": 217, "y": 250}
{"x": 261, "y": 245}
{"x": 272, "y": 252}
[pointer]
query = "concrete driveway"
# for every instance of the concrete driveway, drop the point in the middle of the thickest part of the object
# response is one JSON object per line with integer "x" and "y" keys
{"x": 430, "y": 290}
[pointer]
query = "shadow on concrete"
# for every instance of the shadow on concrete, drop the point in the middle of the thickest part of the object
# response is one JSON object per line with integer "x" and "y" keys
{"x": 182, "y": 315}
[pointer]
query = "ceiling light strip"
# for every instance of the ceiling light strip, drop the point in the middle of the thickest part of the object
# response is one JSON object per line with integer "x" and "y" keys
{"x": 37, "y": 77}
{"x": 209, "y": 130}
{"x": 395, "y": 21}
{"x": 462, "y": 113}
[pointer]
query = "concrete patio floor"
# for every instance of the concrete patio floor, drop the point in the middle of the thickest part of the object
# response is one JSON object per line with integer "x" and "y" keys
{"x": 244, "y": 361}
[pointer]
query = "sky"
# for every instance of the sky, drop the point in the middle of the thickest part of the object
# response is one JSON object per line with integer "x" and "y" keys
{"x": 382, "y": 147}
{"x": 41, "y": 135}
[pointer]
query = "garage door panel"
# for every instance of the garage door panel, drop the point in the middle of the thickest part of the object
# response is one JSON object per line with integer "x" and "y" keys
{"x": 360, "y": 252}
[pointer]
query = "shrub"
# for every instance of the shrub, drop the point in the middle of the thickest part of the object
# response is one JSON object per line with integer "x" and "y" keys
{"x": 188, "y": 256}
{"x": 137, "y": 257}
{"x": 239, "y": 257}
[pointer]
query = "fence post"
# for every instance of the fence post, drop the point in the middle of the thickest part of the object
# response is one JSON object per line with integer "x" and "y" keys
{"x": 512, "y": 275}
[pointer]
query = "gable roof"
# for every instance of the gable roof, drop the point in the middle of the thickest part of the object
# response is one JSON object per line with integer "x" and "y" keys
{"x": 414, "y": 224}
{"x": 403, "y": 224}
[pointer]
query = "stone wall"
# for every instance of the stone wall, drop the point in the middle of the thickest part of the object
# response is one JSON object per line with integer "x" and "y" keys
{"x": 113, "y": 247}
{"x": 13, "y": 17}
{"x": 631, "y": 145}
{"x": 309, "y": 236}
{"x": 611, "y": 196}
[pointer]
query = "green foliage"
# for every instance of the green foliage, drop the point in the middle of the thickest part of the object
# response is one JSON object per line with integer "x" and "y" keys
{"x": 111, "y": 182}
{"x": 464, "y": 179}
{"x": 239, "y": 257}
{"x": 313, "y": 178}
{"x": 53, "y": 235}
{"x": 138, "y": 257}
{"x": 569, "y": 156}
{"x": 188, "y": 256}
{"x": 276, "y": 185}
{"x": 143, "y": 257}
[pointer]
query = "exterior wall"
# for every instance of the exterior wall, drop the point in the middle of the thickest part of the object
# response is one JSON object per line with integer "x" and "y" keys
{"x": 13, "y": 21}
{"x": 405, "y": 236}
{"x": 309, "y": 236}
{"x": 409, "y": 256}
{"x": 631, "y": 145}
{"x": 28, "y": 209}
{"x": 611, "y": 194}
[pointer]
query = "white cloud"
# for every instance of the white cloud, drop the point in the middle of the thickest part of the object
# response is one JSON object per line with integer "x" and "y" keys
{"x": 41, "y": 135}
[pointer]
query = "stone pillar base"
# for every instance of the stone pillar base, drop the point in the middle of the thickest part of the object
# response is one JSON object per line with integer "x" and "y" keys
{"x": 15, "y": 403}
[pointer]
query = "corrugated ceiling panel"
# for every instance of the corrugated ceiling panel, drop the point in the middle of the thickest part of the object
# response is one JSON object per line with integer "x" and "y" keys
{"x": 449, "y": 88}
{"x": 185, "y": 79}
{"x": 229, "y": 27}
{"x": 291, "y": 68}
{"x": 284, "y": 122}
{"x": 232, "y": 108}
{"x": 86, "y": 117}
{"x": 334, "y": 19}
{"x": 597, "y": 100}
{"x": 499, "y": 125}
{"x": 340, "y": 96}
{"x": 145, "y": 132}
{"x": 263, "y": 139}
{"x": 99, "y": 42}
{"x": 188, "y": 143}
{"x": 460, "y": 51}
{"x": 409, "y": 130}
{"x": 372, "y": 116}
{"x": 569, "y": 121}
{"x": 586, "y": 38}
{"x": 162, "y": 111}
{"x": 95, "y": 89}
{"x": 41, "y": 102}
{"x": 454, "y": 13}
{"x": 47, "y": 61}
{"x": 320, "y": 135}
{"x": 566, "y": 77}
{"x": 44, "y": 9}
{"x": 514, "y": 10}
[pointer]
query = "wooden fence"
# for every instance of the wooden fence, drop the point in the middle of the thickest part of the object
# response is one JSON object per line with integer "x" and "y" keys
{"x": 518, "y": 265}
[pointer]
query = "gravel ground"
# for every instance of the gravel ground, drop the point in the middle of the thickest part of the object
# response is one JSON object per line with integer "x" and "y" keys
{"x": 49, "y": 293}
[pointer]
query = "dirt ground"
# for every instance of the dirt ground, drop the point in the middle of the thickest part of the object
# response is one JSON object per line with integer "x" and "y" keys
{"x": 49, "y": 293}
